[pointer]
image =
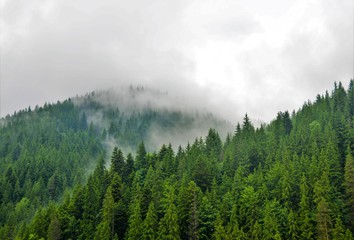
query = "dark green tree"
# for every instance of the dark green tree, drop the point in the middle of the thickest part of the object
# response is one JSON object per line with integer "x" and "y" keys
{"x": 287, "y": 123}
{"x": 117, "y": 161}
{"x": 203, "y": 173}
{"x": 207, "y": 216}
{"x": 305, "y": 225}
{"x": 140, "y": 160}
{"x": 292, "y": 229}
{"x": 271, "y": 226}
{"x": 351, "y": 98}
{"x": 129, "y": 169}
{"x": 349, "y": 185}
{"x": 213, "y": 144}
{"x": 338, "y": 230}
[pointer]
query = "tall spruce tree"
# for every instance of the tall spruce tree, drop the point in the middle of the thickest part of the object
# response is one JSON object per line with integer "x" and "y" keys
{"x": 150, "y": 224}
{"x": 135, "y": 221}
{"x": 105, "y": 229}
{"x": 349, "y": 186}
{"x": 117, "y": 161}
{"x": 141, "y": 161}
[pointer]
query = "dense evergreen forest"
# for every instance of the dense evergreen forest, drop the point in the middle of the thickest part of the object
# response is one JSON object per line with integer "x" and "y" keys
{"x": 290, "y": 179}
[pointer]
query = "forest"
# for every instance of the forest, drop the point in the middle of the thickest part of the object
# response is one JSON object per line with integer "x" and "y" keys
{"x": 292, "y": 178}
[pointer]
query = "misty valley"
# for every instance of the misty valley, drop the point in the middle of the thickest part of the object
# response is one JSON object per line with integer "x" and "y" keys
{"x": 135, "y": 163}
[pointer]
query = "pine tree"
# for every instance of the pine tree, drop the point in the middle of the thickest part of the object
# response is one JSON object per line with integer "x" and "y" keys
{"x": 349, "y": 185}
{"x": 238, "y": 129}
{"x": 54, "y": 186}
{"x": 247, "y": 126}
{"x": 106, "y": 228}
{"x": 256, "y": 231}
{"x": 120, "y": 219}
{"x": 233, "y": 228}
{"x": 287, "y": 123}
{"x": 270, "y": 223}
{"x": 168, "y": 226}
{"x": 338, "y": 232}
{"x": 207, "y": 214}
{"x": 202, "y": 173}
{"x": 117, "y": 161}
{"x": 248, "y": 207}
{"x": 321, "y": 196}
{"x": 140, "y": 160}
{"x": 335, "y": 170}
{"x": 305, "y": 226}
{"x": 83, "y": 122}
{"x": 129, "y": 169}
{"x": 91, "y": 208}
{"x": 351, "y": 98}
{"x": 194, "y": 203}
{"x": 116, "y": 187}
{"x": 40, "y": 223}
{"x": 213, "y": 144}
{"x": 150, "y": 224}
{"x": 292, "y": 231}
{"x": 188, "y": 210}
{"x": 219, "y": 233}
{"x": 147, "y": 189}
{"x": 323, "y": 220}
{"x": 103, "y": 231}
{"x": 135, "y": 222}
{"x": 54, "y": 229}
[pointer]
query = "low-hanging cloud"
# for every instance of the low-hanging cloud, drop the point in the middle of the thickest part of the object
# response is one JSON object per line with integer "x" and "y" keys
{"x": 173, "y": 120}
{"x": 226, "y": 56}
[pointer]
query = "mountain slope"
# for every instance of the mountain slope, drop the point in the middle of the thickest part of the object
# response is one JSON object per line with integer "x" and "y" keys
{"x": 50, "y": 149}
{"x": 290, "y": 179}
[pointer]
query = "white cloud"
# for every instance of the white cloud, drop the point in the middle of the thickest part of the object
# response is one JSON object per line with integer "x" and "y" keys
{"x": 229, "y": 56}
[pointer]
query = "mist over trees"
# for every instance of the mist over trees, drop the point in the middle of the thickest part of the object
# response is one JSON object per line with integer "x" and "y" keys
{"x": 290, "y": 179}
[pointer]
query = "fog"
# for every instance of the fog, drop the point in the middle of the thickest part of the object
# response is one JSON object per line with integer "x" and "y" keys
{"x": 229, "y": 57}
{"x": 178, "y": 122}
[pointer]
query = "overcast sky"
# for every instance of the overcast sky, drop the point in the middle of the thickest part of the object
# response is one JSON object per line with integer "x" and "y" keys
{"x": 232, "y": 57}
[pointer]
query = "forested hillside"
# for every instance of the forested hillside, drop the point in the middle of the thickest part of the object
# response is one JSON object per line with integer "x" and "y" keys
{"x": 290, "y": 179}
{"x": 46, "y": 151}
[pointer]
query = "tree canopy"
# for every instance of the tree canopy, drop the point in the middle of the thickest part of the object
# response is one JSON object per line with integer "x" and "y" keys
{"x": 290, "y": 179}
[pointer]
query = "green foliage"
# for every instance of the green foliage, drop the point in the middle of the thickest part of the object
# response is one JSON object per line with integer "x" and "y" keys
{"x": 135, "y": 222}
{"x": 207, "y": 217}
{"x": 219, "y": 233}
{"x": 150, "y": 224}
{"x": 203, "y": 173}
{"x": 141, "y": 158}
{"x": 54, "y": 229}
{"x": 349, "y": 185}
{"x": 117, "y": 161}
{"x": 290, "y": 179}
{"x": 213, "y": 144}
{"x": 168, "y": 225}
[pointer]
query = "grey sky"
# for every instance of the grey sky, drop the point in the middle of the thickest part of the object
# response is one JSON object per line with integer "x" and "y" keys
{"x": 231, "y": 57}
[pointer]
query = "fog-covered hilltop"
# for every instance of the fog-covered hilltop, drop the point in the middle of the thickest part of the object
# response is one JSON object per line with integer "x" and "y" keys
{"x": 128, "y": 115}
